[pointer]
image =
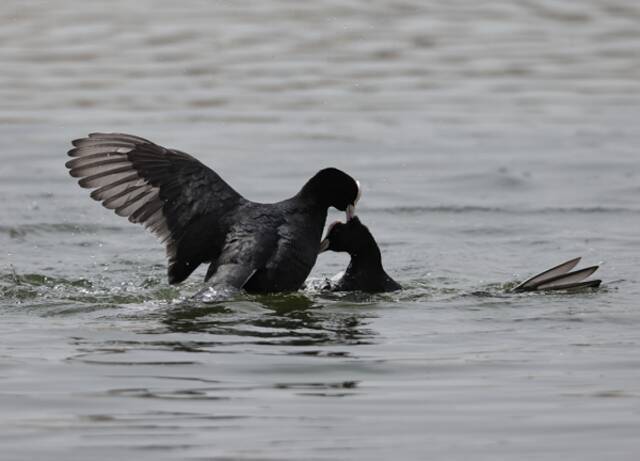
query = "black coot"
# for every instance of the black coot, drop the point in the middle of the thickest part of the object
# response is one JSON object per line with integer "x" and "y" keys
{"x": 365, "y": 271}
{"x": 201, "y": 219}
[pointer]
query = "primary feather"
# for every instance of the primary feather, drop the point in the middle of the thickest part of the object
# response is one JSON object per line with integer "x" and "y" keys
{"x": 147, "y": 183}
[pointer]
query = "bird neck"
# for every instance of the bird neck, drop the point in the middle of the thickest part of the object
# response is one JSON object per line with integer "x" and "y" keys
{"x": 314, "y": 194}
{"x": 366, "y": 257}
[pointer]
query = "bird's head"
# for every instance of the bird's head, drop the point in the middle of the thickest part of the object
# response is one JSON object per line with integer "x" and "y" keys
{"x": 334, "y": 188}
{"x": 351, "y": 237}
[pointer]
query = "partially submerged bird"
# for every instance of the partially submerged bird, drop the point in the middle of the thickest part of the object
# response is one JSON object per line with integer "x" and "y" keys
{"x": 201, "y": 219}
{"x": 560, "y": 277}
{"x": 365, "y": 271}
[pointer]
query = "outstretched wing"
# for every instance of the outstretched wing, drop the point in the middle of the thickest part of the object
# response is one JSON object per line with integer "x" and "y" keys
{"x": 574, "y": 286}
{"x": 560, "y": 278}
{"x": 566, "y": 279}
{"x": 169, "y": 192}
{"x": 533, "y": 282}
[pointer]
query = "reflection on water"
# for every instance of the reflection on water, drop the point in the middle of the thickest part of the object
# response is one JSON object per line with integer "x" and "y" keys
{"x": 293, "y": 320}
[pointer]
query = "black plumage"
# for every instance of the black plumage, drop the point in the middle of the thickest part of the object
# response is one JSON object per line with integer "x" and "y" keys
{"x": 201, "y": 219}
{"x": 365, "y": 271}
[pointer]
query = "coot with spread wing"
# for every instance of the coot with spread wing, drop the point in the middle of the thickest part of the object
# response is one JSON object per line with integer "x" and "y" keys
{"x": 202, "y": 219}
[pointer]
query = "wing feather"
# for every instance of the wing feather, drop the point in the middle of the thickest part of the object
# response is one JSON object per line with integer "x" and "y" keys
{"x": 169, "y": 192}
{"x": 560, "y": 278}
{"x": 119, "y": 199}
{"x": 531, "y": 283}
{"x": 105, "y": 178}
{"x": 567, "y": 279}
{"x": 116, "y": 187}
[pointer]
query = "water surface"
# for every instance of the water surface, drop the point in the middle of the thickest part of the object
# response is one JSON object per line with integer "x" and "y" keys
{"x": 492, "y": 141}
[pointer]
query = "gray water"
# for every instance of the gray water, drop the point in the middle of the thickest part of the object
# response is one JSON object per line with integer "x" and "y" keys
{"x": 493, "y": 139}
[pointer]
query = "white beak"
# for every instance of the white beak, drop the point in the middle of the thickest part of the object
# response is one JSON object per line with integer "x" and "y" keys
{"x": 351, "y": 209}
{"x": 351, "y": 212}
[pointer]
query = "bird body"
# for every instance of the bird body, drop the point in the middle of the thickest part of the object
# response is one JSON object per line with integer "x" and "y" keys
{"x": 367, "y": 276}
{"x": 279, "y": 242}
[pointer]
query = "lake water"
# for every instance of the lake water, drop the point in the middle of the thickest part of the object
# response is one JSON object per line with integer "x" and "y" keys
{"x": 493, "y": 139}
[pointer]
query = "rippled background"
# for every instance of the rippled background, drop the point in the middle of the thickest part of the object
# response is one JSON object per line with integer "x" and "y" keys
{"x": 493, "y": 139}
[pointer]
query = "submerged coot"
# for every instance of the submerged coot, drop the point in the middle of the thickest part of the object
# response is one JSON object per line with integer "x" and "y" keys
{"x": 365, "y": 271}
{"x": 201, "y": 219}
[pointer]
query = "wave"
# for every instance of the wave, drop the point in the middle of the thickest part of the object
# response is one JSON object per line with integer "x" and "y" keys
{"x": 47, "y": 290}
{"x": 21, "y": 230}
